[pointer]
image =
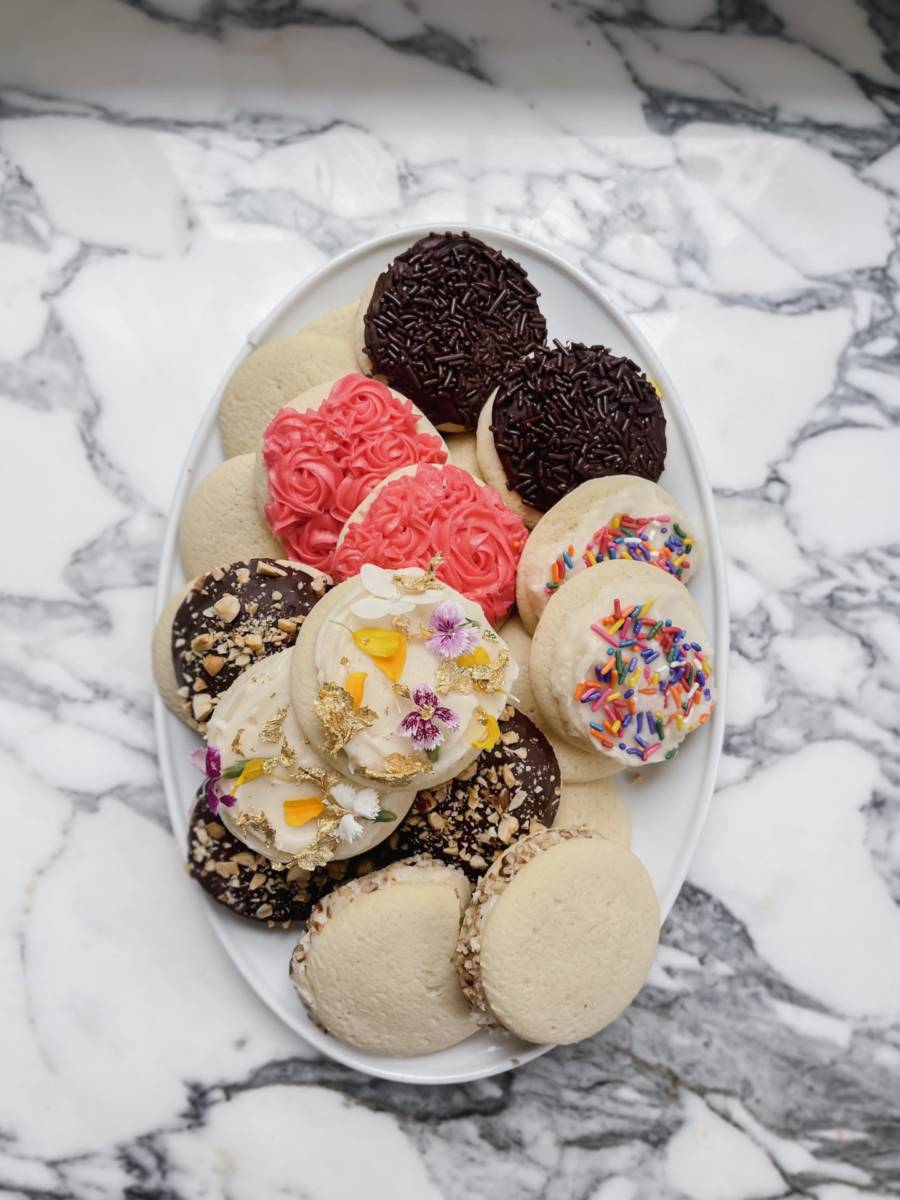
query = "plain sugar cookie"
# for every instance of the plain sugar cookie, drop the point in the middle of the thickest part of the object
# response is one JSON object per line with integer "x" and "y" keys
{"x": 621, "y": 663}
{"x": 559, "y": 937}
{"x": 619, "y": 517}
{"x": 375, "y": 965}
{"x": 575, "y": 765}
{"x": 337, "y": 322}
{"x": 271, "y": 377}
{"x": 598, "y": 806}
{"x": 220, "y": 521}
{"x": 463, "y": 451}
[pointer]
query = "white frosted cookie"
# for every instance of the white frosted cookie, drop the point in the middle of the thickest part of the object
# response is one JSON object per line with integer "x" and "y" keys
{"x": 619, "y": 517}
{"x": 272, "y": 376}
{"x": 375, "y": 964}
{"x": 597, "y": 805}
{"x": 575, "y": 765}
{"x": 337, "y": 322}
{"x": 622, "y": 664}
{"x": 399, "y": 678}
{"x": 492, "y": 469}
{"x": 559, "y": 937}
{"x": 220, "y": 521}
{"x": 324, "y": 452}
{"x": 284, "y": 798}
{"x": 359, "y": 329}
{"x": 463, "y": 450}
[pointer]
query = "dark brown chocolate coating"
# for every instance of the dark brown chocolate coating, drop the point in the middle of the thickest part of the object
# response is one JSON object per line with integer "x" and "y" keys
{"x": 270, "y": 599}
{"x": 446, "y": 318}
{"x": 571, "y": 413}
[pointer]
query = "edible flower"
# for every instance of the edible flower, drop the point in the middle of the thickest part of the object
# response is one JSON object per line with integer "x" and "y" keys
{"x": 491, "y": 734}
{"x": 210, "y": 763}
{"x": 452, "y": 634}
{"x": 385, "y": 647}
{"x": 421, "y": 725}
{"x": 302, "y": 810}
{"x": 354, "y": 685}
{"x": 385, "y": 596}
{"x": 478, "y": 658}
{"x": 356, "y": 803}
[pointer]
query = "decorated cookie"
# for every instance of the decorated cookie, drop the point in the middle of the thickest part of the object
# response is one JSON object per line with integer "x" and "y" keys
{"x": 559, "y": 937}
{"x": 270, "y": 377}
{"x": 226, "y": 619}
{"x": 270, "y": 787}
{"x": 245, "y": 882}
{"x": 619, "y": 517}
{"x": 511, "y": 789}
{"x": 566, "y": 414}
{"x": 220, "y": 521}
{"x": 316, "y": 466}
{"x": 463, "y": 451}
{"x": 443, "y": 510}
{"x": 597, "y": 805}
{"x": 576, "y": 765}
{"x": 443, "y": 322}
{"x": 375, "y": 964}
{"x": 621, "y": 662}
{"x": 337, "y": 322}
{"x": 399, "y": 678}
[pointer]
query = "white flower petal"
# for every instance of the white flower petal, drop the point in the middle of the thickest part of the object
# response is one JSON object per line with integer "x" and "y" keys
{"x": 401, "y": 607}
{"x": 349, "y": 830}
{"x": 344, "y": 794}
{"x": 366, "y": 804}
{"x": 378, "y": 582}
{"x": 372, "y": 607}
{"x": 432, "y": 596}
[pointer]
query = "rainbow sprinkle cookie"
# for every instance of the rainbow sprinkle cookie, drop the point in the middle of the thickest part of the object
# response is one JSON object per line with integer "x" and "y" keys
{"x": 659, "y": 541}
{"x": 650, "y": 686}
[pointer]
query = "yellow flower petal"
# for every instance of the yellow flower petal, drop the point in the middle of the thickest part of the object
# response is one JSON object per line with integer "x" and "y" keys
{"x": 491, "y": 732}
{"x": 302, "y": 810}
{"x": 393, "y": 666}
{"x": 378, "y": 643}
{"x": 253, "y": 768}
{"x": 478, "y": 657}
{"x": 354, "y": 684}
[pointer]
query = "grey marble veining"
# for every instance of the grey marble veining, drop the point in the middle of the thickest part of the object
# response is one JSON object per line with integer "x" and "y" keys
{"x": 730, "y": 174}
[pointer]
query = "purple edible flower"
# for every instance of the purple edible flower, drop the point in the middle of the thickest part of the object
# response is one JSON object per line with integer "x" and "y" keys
{"x": 210, "y": 763}
{"x": 420, "y": 725}
{"x": 452, "y": 636}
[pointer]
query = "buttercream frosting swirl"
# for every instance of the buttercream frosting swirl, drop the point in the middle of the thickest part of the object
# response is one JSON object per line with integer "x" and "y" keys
{"x": 323, "y": 462}
{"x": 441, "y": 510}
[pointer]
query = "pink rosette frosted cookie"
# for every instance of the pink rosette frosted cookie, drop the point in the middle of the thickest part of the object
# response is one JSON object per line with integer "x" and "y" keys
{"x": 444, "y": 510}
{"x": 321, "y": 463}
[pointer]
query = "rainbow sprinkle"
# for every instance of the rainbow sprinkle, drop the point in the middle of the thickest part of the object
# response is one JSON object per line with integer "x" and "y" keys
{"x": 653, "y": 684}
{"x": 659, "y": 541}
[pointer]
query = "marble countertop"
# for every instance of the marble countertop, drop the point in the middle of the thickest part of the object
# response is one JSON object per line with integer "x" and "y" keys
{"x": 730, "y": 174}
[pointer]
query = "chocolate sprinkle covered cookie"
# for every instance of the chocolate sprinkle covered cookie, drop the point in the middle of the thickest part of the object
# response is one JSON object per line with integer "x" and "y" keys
{"x": 234, "y": 615}
{"x": 444, "y": 321}
{"x": 570, "y": 413}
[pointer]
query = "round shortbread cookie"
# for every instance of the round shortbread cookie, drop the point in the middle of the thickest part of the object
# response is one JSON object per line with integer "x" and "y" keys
{"x": 559, "y": 937}
{"x": 375, "y": 965}
{"x": 272, "y": 376}
{"x": 492, "y": 469}
{"x": 220, "y": 522}
{"x": 356, "y": 677}
{"x": 463, "y": 451}
{"x": 613, "y": 518}
{"x": 575, "y": 765}
{"x": 621, "y": 663}
{"x": 359, "y": 329}
{"x": 598, "y": 806}
{"x": 161, "y": 659}
{"x": 337, "y": 322}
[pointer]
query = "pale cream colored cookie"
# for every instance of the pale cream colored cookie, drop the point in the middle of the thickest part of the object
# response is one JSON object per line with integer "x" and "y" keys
{"x": 559, "y": 937}
{"x": 368, "y": 740}
{"x": 375, "y": 964}
{"x": 576, "y": 765}
{"x": 337, "y": 322}
{"x": 547, "y": 565}
{"x": 492, "y": 469}
{"x": 666, "y": 689}
{"x": 220, "y": 521}
{"x": 161, "y": 659}
{"x": 271, "y": 377}
{"x": 463, "y": 449}
{"x": 359, "y": 330}
{"x": 597, "y": 805}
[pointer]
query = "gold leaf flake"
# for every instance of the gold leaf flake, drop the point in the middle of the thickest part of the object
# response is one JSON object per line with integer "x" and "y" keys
{"x": 340, "y": 720}
{"x": 271, "y": 731}
{"x": 323, "y": 779}
{"x": 287, "y": 755}
{"x": 484, "y": 678}
{"x": 421, "y": 634}
{"x": 489, "y": 635}
{"x": 400, "y": 689}
{"x": 258, "y": 823}
{"x": 401, "y": 768}
{"x": 236, "y": 744}
{"x": 319, "y": 854}
{"x": 415, "y": 585}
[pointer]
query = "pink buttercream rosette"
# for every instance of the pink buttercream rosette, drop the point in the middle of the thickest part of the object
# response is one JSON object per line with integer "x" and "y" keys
{"x": 322, "y": 463}
{"x": 446, "y": 510}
